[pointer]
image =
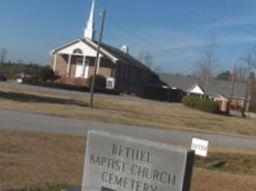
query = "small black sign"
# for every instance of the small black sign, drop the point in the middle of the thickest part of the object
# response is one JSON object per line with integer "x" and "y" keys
{"x": 106, "y": 189}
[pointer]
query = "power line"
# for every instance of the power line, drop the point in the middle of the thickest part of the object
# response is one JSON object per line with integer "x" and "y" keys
{"x": 133, "y": 34}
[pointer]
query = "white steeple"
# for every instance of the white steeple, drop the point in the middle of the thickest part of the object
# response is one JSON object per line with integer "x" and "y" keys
{"x": 89, "y": 30}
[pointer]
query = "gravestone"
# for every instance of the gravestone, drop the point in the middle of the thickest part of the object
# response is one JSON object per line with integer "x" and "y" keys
{"x": 121, "y": 163}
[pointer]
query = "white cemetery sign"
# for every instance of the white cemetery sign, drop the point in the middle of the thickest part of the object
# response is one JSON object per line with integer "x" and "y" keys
{"x": 120, "y": 163}
{"x": 200, "y": 147}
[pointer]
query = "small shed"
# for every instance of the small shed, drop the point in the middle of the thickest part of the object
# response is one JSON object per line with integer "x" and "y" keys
{"x": 223, "y": 103}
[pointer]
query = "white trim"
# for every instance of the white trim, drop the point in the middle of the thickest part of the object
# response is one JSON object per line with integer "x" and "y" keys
{"x": 84, "y": 58}
{"x": 86, "y": 70}
{"x": 56, "y": 50}
{"x": 85, "y": 41}
{"x": 55, "y": 62}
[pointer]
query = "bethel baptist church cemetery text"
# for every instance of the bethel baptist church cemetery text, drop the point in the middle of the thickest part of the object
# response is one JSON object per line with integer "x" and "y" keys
{"x": 135, "y": 170}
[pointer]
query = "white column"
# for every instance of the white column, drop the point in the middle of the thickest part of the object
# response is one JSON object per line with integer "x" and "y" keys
{"x": 98, "y": 66}
{"x": 55, "y": 62}
{"x": 87, "y": 67}
{"x": 83, "y": 73}
{"x": 69, "y": 65}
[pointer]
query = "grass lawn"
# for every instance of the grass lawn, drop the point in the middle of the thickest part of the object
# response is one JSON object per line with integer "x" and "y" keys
{"x": 122, "y": 110}
{"x": 32, "y": 160}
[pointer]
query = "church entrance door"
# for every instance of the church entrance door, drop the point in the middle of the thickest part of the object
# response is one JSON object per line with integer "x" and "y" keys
{"x": 79, "y": 68}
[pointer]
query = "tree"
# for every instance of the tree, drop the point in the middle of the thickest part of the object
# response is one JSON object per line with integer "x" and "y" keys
{"x": 249, "y": 61}
{"x": 3, "y": 55}
{"x": 252, "y": 106}
{"x": 226, "y": 75}
{"x": 206, "y": 65}
{"x": 46, "y": 73}
{"x": 158, "y": 69}
{"x": 241, "y": 73}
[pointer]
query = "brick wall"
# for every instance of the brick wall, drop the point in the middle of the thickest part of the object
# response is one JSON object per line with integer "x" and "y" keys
{"x": 61, "y": 65}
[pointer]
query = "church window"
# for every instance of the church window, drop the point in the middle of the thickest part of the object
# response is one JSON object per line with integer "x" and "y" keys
{"x": 78, "y": 51}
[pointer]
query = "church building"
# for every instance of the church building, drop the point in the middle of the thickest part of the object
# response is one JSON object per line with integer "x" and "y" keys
{"x": 73, "y": 63}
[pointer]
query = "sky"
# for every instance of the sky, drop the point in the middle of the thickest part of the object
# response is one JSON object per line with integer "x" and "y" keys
{"x": 175, "y": 32}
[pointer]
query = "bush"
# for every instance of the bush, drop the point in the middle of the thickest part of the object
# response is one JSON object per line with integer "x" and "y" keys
{"x": 46, "y": 73}
{"x": 201, "y": 104}
{"x": 100, "y": 81}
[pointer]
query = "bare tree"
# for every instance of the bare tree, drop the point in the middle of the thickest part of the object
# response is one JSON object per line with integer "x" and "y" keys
{"x": 146, "y": 58}
{"x": 241, "y": 72}
{"x": 249, "y": 60}
{"x": 3, "y": 55}
{"x": 158, "y": 69}
{"x": 206, "y": 65}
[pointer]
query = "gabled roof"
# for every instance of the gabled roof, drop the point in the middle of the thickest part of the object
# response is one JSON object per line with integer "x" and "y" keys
{"x": 112, "y": 53}
{"x": 215, "y": 87}
{"x": 195, "y": 86}
{"x": 64, "y": 46}
{"x": 88, "y": 42}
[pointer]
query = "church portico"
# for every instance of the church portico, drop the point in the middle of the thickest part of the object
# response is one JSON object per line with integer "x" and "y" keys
{"x": 74, "y": 67}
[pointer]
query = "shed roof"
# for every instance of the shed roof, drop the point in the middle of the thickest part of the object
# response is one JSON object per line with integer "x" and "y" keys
{"x": 215, "y": 87}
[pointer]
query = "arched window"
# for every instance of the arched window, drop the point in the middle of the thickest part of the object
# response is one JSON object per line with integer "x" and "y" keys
{"x": 77, "y": 51}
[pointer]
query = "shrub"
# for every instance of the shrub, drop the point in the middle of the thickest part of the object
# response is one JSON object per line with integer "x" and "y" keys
{"x": 100, "y": 81}
{"x": 201, "y": 104}
{"x": 46, "y": 73}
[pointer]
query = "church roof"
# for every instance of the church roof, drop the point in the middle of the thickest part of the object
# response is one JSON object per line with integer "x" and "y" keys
{"x": 114, "y": 54}
{"x": 125, "y": 58}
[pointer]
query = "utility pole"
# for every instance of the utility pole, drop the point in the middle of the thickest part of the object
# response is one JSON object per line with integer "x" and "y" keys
{"x": 233, "y": 78}
{"x": 103, "y": 14}
{"x": 249, "y": 60}
{"x": 248, "y": 85}
{"x": 3, "y": 54}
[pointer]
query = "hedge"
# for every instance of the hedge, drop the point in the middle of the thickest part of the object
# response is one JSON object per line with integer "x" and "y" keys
{"x": 201, "y": 104}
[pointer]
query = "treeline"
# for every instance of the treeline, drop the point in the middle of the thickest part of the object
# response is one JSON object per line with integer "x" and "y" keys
{"x": 37, "y": 72}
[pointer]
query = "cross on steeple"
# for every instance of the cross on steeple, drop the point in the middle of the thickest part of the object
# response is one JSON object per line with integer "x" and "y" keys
{"x": 89, "y": 30}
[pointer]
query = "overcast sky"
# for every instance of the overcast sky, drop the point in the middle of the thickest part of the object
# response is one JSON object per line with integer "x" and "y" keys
{"x": 173, "y": 31}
